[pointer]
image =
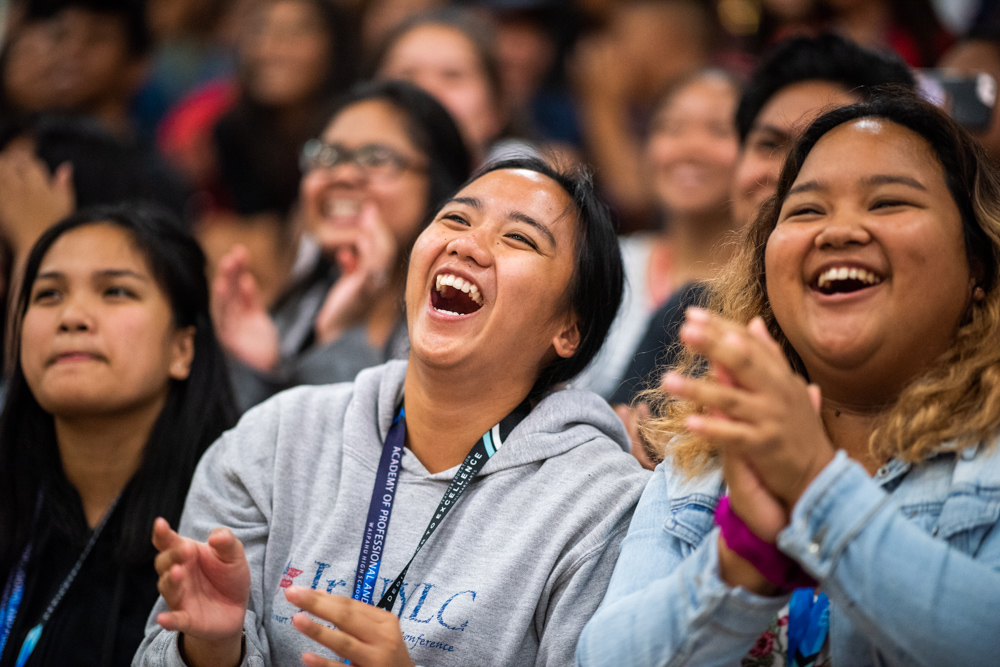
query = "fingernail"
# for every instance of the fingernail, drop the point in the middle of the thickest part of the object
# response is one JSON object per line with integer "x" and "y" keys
{"x": 696, "y": 314}
{"x": 694, "y": 421}
{"x": 673, "y": 381}
{"x": 692, "y": 332}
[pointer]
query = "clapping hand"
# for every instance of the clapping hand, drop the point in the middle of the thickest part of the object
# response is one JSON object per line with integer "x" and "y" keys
{"x": 364, "y": 634}
{"x": 242, "y": 323}
{"x": 206, "y": 586}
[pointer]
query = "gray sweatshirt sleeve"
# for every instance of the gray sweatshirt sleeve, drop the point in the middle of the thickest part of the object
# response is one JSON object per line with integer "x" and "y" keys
{"x": 231, "y": 487}
{"x": 575, "y": 596}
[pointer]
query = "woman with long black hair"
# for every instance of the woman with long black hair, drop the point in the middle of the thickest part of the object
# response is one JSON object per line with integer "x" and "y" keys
{"x": 117, "y": 388}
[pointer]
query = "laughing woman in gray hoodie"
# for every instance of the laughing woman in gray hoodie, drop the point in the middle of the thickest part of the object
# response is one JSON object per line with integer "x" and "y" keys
{"x": 363, "y": 505}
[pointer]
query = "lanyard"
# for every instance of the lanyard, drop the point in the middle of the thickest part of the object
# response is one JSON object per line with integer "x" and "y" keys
{"x": 31, "y": 639}
{"x": 808, "y": 625}
{"x": 384, "y": 493}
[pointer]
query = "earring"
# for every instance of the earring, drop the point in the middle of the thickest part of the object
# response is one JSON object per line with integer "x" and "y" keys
{"x": 978, "y": 293}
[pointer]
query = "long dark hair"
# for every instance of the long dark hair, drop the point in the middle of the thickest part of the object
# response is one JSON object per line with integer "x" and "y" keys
{"x": 196, "y": 411}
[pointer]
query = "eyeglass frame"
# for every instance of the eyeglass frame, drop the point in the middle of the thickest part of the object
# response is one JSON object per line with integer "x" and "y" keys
{"x": 310, "y": 158}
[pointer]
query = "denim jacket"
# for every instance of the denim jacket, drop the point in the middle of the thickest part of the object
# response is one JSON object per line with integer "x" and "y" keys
{"x": 910, "y": 560}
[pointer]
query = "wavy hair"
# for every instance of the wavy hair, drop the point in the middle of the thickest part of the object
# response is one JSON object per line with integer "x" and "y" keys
{"x": 953, "y": 403}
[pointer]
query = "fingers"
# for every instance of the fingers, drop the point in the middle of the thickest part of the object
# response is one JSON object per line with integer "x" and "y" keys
{"x": 730, "y": 401}
{"x": 164, "y": 536}
{"x": 227, "y": 547}
{"x": 745, "y": 353}
{"x": 174, "y": 621}
{"x": 356, "y": 618}
{"x": 334, "y": 639}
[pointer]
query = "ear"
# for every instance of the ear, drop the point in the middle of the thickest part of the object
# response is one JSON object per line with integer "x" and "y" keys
{"x": 567, "y": 339}
{"x": 182, "y": 353}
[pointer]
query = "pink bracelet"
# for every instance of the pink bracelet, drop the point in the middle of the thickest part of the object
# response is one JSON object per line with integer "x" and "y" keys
{"x": 774, "y": 565}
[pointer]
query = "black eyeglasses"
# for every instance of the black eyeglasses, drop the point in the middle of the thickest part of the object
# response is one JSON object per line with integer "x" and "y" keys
{"x": 374, "y": 159}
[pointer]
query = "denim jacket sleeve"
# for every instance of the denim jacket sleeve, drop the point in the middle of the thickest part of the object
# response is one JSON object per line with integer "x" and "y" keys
{"x": 666, "y": 604}
{"x": 916, "y": 595}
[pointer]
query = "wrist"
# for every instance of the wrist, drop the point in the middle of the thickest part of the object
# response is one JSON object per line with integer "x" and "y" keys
{"x": 770, "y": 562}
{"x": 735, "y": 570}
{"x": 198, "y": 652}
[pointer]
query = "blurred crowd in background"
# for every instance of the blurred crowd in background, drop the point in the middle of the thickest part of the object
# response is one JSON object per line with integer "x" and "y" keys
{"x": 205, "y": 105}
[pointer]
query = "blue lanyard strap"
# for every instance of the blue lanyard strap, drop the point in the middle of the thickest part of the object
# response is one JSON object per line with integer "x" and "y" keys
{"x": 384, "y": 493}
{"x": 31, "y": 639}
{"x": 808, "y": 626}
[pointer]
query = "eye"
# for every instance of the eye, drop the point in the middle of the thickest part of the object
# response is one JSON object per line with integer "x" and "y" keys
{"x": 521, "y": 238}
{"x": 120, "y": 292}
{"x": 888, "y": 203}
{"x": 45, "y": 295}
{"x": 457, "y": 218}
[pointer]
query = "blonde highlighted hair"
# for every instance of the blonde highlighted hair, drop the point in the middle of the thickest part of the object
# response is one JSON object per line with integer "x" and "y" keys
{"x": 952, "y": 404}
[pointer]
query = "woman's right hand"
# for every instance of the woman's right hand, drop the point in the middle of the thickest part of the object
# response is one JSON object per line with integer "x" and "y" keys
{"x": 206, "y": 586}
{"x": 242, "y": 323}
{"x": 366, "y": 255}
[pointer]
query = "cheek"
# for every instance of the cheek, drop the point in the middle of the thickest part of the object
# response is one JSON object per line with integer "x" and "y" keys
{"x": 402, "y": 206}
{"x": 661, "y": 151}
{"x": 34, "y": 339}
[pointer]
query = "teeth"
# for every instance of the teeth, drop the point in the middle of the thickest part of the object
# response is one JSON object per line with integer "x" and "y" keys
{"x": 448, "y": 280}
{"x": 446, "y": 312}
{"x": 843, "y": 273}
{"x": 345, "y": 207}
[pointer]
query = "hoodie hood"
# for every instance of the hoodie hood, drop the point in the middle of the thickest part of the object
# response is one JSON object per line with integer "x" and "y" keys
{"x": 563, "y": 420}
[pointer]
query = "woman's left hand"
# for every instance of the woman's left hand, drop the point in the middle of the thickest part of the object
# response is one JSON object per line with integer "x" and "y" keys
{"x": 364, "y": 634}
{"x": 768, "y": 417}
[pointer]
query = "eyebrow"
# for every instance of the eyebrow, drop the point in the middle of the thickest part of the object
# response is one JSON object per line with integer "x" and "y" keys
{"x": 105, "y": 273}
{"x": 876, "y": 179}
{"x": 477, "y": 204}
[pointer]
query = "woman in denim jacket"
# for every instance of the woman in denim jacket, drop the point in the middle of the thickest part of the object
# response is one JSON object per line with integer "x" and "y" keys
{"x": 875, "y": 489}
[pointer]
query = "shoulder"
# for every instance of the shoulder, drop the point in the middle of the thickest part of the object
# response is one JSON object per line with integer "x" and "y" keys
{"x": 307, "y": 416}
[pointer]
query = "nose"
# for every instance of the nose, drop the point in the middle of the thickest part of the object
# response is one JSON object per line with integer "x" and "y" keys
{"x": 75, "y": 317}
{"x": 842, "y": 230}
{"x": 474, "y": 245}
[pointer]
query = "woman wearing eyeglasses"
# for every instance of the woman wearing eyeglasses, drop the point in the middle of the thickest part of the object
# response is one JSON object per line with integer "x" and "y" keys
{"x": 389, "y": 154}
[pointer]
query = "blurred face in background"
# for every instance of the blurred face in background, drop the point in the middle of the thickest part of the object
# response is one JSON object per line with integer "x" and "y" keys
{"x": 972, "y": 57}
{"x": 286, "y": 53}
{"x": 692, "y": 148}
{"x": 333, "y": 195}
{"x": 78, "y": 60}
{"x": 445, "y": 63}
{"x": 771, "y": 136}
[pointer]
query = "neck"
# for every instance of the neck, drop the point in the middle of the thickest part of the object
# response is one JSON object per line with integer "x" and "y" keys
{"x": 100, "y": 455}
{"x": 697, "y": 252}
{"x": 446, "y": 413}
{"x": 850, "y": 429}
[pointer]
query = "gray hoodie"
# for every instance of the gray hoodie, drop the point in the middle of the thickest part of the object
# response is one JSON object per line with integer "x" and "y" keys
{"x": 509, "y": 578}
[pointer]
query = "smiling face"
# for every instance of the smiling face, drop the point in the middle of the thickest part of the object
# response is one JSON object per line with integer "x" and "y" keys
{"x": 286, "y": 52}
{"x": 866, "y": 269}
{"x": 692, "y": 148}
{"x": 444, "y": 62}
{"x": 775, "y": 128}
{"x": 98, "y": 336}
{"x": 332, "y": 196}
{"x": 487, "y": 289}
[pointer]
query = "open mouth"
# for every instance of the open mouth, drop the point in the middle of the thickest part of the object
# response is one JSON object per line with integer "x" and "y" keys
{"x": 454, "y": 295}
{"x": 844, "y": 280}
